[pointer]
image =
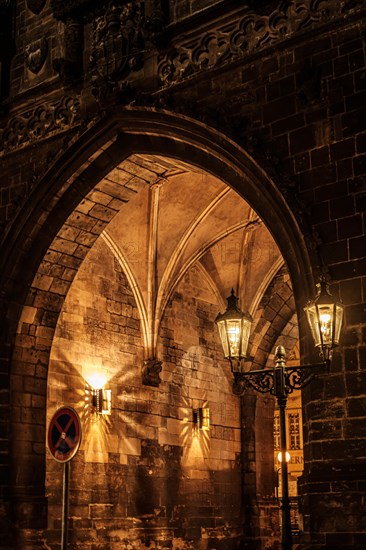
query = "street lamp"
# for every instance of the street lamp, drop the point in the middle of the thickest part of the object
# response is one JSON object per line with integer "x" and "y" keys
{"x": 234, "y": 329}
{"x": 325, "y": 316}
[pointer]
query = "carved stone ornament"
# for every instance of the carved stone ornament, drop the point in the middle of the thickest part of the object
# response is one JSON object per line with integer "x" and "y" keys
{"x": 40, "y": 122}
{"x": 249, "y": 34}
{"x": 35, "y": 55}
{"x": 117, "y": 43}
{"x": 151, "y": 372}
{"x": 36, "y": 6}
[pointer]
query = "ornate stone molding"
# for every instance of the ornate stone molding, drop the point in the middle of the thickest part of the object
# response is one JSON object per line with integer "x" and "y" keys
{"x": 39, "y": 123}
{"x": 251, "y": 33}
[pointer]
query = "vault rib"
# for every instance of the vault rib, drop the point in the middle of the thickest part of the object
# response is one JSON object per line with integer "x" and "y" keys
{"x": 173, "y": 282}
{"x": 118, "y": 254}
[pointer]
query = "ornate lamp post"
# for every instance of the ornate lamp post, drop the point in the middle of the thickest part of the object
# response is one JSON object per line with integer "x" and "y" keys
{"x": 325, "y": 316}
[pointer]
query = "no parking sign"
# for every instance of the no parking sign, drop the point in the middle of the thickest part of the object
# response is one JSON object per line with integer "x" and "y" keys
{"x": 64, "y": 434}
{"x": 63, "y": 439}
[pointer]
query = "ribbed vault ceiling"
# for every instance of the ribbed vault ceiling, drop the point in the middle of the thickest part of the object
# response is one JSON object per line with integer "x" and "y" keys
{"x": 185, "y": 217}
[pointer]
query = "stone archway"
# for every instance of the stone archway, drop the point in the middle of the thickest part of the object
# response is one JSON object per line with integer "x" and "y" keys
{"x": 63, "y": 221}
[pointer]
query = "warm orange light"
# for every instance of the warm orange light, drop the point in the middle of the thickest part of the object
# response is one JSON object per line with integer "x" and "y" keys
{"x": 201, "y": 418}
{"x": 287, "y": 456}
{"x": 325, "y": 317}
{"x": 96, "y": 380}
{"x": 234, "y": 329}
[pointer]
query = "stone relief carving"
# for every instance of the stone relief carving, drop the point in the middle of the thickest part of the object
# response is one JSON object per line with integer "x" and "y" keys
{"x": 122, "y": 32}
{"x": 39, "y": 123}
{"x": 35, "y": 55}
{"x": 251, "y": 33}
{"x": 119, "y": 41}
{"x": 36, "y": 6}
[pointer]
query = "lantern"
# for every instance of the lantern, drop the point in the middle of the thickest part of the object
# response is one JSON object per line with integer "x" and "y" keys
{"x": 325, "y": 316}
{"x": 234, "y": 329}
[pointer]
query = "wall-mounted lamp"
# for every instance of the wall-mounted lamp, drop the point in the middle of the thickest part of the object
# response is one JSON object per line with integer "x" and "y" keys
{"x": 201, "y": 418}
{"x": 325, "y": 317}
{"x": 102, "y": 401}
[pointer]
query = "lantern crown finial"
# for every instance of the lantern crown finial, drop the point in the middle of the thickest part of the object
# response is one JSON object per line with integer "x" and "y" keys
{"x": 232, "y": 301}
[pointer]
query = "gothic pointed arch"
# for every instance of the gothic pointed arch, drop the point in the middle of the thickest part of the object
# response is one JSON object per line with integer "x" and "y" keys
{"x": 67, "y": 211}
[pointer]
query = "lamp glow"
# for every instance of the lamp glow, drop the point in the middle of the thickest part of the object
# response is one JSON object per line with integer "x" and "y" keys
{"x": 325, "y": 317}
{"x": 101, "y": 398}
{"x": 234, "y": 329}
{"x": 287, "y": 456}
{"x": 96, "y": 380}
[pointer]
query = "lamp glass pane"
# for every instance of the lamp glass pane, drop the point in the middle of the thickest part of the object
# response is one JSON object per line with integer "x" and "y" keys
{"x": 313, "y": 323}
{"x": 233, "y": 336}
{"x": 224, "y": 341}
{"x": 246, "y": 326}
{"x": 338, "y": 322}
{"x": 326, "y": 320}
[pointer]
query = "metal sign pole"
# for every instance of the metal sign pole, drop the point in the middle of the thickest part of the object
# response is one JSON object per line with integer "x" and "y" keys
{"x": 65, "y": 505}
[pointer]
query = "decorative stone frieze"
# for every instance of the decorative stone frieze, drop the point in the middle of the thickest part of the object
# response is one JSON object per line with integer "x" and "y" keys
{"x": 252, "y": 32}
{"x": 40, "y": 122}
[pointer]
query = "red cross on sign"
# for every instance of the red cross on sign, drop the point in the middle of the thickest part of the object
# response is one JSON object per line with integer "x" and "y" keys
{"x": 64, "y": 434}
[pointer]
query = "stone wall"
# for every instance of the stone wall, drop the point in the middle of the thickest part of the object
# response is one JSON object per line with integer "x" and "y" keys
{"x": 144, "y": 474}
